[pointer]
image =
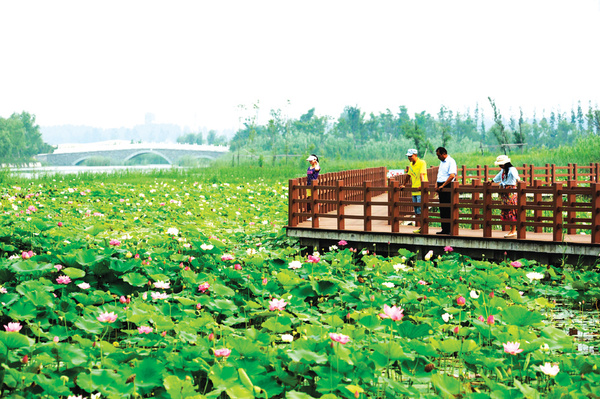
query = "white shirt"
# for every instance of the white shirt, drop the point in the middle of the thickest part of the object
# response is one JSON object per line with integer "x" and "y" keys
{"x": 447, "y": 167}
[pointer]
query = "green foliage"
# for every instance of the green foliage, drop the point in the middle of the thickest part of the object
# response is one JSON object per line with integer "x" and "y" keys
{"x": 20, "y": 139}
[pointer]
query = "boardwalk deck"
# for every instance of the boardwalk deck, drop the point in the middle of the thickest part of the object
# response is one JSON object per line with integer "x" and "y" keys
{"x": 574, "y": 249}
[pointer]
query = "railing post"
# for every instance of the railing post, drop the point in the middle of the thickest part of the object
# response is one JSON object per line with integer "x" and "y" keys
{"x": 314, "y": 204}
{"x": 425, "y": 187}
{"x": 487, "y": 209}
{"x": 557, "y": 205}
{"x": 537, "y": 200}
{"x": 521, "y": 210}
{"x": 486, "y": 172}
{"x": 571, "y": 199}
{"x": 454, "y": 209}
{"x": 395, "y": 210}
{"x": 475, "y": 211}
{"x": 553, "y": 173}
{"x": 575, "y": 173}
{"x": 595, "y": 187}
{"x": 531, "y": 174}
{"x": 341, "y": 222}
{"x": 548, "y": 175}
{"x": 293, "y": 196}
{"x": 464, "y": 174}
{"x": 367, "y": 206}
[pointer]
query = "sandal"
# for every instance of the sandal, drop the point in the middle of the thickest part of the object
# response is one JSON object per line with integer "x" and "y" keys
{"x": 510, "y": 235}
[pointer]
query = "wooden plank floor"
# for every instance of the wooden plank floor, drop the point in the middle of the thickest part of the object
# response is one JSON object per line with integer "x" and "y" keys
{"x": 381, "y": 226}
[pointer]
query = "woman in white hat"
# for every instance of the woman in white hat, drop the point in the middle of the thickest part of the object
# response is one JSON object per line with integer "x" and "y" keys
{"x": 508, "y": 178}
{"x": 312, "y": 174}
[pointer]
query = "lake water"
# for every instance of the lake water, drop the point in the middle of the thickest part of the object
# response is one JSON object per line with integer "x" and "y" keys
{"x": 33, "y": 172}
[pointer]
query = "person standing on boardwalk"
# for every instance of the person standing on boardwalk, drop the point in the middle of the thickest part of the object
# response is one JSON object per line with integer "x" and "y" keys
{"x": 312, "y": 174}
{"x": 417, "y": 170}
{"x": 446, "y": 174}
{"x": 508, "y": 178}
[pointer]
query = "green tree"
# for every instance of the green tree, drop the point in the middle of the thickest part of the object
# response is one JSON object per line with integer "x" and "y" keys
{"x": 499, "y": 131}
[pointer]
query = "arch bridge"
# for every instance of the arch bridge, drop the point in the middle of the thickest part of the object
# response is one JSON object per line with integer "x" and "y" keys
{"x": 121, "y": 151}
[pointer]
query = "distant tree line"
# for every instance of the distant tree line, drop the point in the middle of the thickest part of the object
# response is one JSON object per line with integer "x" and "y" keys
{"x": 20, "y": 139}
{"x": 212, "y": 138}
{"x": 388, "y": 133}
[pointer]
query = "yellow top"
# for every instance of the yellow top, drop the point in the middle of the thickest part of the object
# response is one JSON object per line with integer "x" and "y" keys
{"x": 415, "y": 171}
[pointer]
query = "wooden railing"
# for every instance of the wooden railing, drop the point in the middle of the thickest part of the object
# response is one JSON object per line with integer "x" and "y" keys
{"x": 545, "y": 203}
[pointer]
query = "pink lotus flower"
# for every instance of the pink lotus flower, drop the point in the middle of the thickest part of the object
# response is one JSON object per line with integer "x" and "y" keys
{"x": 264, "y": 281}
{"x": 491, "y": 320}
{"x": 342, "y": 243}
{"x": 226, "y": 257}
{"x": 448, "y": 248}
{"x": 224, "y": 352}
{"x": 512, "y": 348}
{"x": 63, "y": 279}
{"x": 461, "y": 301}
{"x": 58, "y": 267}
{"x": 198, "y": 306}
{"x": 114, "y": 243}
{"x": 159, "y": 295}
{"x": 237, "y": 266}
{"x": 393, "y": 313}
{"x": 516, "y": 264}
{"x": 481, "y": 319}
{"x": 13, "y": 327}
{"x": 107, "y": 317}
{"x": 60, "y": 224}
{"x": 56, "y": 339}
{"x": 341, "y": 338}
{"x": 211, "y": 337}
{"x": 124, "y": 299}
{"x": 203, "y": 287}
{"x": 27, "y": 254}
{"x": 277, "y": 304}
{"x": 456, "y": 329}
{"x": 145, "y": 329}
{"x": 313, "y": 259}
{"x": 162, "y": 284}
{"x": 422, "y": 282}
{"x": 137, "y": 256}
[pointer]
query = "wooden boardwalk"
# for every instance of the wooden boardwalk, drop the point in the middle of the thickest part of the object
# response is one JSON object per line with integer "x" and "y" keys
{"x": 381, "y": 226}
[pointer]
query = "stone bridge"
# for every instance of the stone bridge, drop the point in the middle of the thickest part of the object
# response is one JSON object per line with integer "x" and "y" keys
{"x": 121, "y": 151}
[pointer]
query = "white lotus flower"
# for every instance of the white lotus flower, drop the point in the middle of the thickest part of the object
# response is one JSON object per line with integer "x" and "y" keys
{"x": 550, "y": 369}
{"x": 446, "y": 317}
{"x": 535, "y": 276}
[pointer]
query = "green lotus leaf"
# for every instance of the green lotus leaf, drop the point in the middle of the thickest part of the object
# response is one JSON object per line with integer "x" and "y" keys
{"x": 223, "y": 377}
{"x": 288, "y": 279}
{"x": 72, "y": 355}
{"x": 41, "y": 225}
{"x": 298, "y": 395}
{"x": 370, "y": 321}
{"x": 95, "y": 229}
{"x": 88, "y": 257}
{"x": 50, "y": 386}
{"x": 15, "y": 340}
{"x": 106, "y": 382}
{"x": 29, "y": 266}
{"x": 324, "y": 287}
{"x": 148, "y": 374}
{"x": 121, "y": 265}
{"x": 393, "y": 351}
{"x": 410, "y": 330}
{"x": 521, "y": 316}
{"x": 135, "y": 279}
{"x": 180, "y": 389}
{"x": 332, "y": 320}
{"x": 73, "y": 272}
{"x": 446, "y": 384}
{"x": 306, "y": 356}
{"x": 222, "y": 290}
{"x": 278, "y": 325}
{"x": 527, "y": 390}
{"x": 90, "y": 326}
{"x": 23, "y": 309}
{"x": 245, "y": 347}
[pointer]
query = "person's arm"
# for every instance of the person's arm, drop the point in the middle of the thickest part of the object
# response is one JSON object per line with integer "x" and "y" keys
{"x": 448, "y": 181}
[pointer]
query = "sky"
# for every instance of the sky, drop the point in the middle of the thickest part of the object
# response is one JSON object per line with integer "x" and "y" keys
{"x": 212, "y": 64}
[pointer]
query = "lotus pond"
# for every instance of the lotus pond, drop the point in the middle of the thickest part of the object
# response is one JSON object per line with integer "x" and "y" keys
{"x": 175, "y": 288}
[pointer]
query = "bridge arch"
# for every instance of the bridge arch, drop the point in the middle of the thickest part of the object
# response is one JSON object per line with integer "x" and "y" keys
{"x": 86, "y": 157}
{"x": 142, "y": 152}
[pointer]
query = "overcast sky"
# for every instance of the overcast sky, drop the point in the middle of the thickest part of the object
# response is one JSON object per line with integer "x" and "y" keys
{"x": 192, "y": 63}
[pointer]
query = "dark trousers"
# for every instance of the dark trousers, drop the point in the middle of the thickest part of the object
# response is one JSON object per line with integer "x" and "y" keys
{"x": 445, "y": 213}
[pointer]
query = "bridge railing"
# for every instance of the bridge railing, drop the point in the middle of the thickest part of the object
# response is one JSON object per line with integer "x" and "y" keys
{"x": 569, "y": 205}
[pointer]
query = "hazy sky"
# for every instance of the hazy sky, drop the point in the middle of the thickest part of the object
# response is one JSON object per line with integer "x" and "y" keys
{"x": 192, "y": 63}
